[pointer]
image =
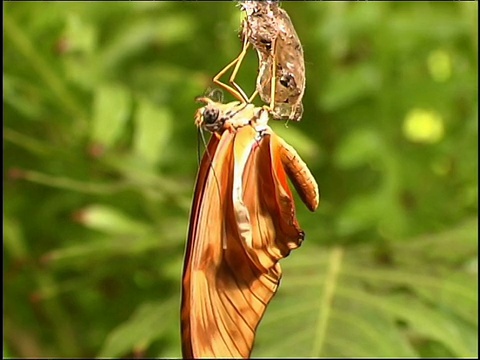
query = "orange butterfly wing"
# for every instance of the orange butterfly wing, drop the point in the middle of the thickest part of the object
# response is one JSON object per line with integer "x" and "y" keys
{"x": 242, "y": 222}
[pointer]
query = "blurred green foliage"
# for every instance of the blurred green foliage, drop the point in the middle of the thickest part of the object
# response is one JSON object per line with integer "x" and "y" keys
{"x": 101, "y": 155}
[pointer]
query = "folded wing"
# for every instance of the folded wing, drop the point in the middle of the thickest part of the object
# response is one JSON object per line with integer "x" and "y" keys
{"x": 242, "y": 223}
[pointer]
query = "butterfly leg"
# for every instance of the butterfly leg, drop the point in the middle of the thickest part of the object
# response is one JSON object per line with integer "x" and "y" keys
{"x": 234, "y": 89}
{"x": 255, "y": 93}
{"x": 240, "y": 58}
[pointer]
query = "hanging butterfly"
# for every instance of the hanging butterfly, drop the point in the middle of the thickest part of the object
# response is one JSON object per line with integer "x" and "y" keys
{"x": 242, "y": 222}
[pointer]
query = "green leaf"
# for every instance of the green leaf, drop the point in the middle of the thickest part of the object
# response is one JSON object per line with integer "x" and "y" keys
{"x": 13, "y": 239}
{"x": 101, "y": 248}
{"x": 149, "y": 322}
{"x": 361, "y": 212}
{"x": 358, "y": 148}
{"x": 434, "y": 324}
{"x": 110, "y": 220}
{"x": 137, "y": 35}
{"x": 23, "y": 97}
{"x": 339, "y": 303}
{"x": 111, "y": 109}
{"x": 347, "y": 86}
{"x": 153, "y": 128}
{"x": 80, "y": 35}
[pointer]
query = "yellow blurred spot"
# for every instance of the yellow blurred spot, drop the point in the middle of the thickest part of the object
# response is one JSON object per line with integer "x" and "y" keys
{"x": 439, "y": 65}
{"x": 423, "y": 126}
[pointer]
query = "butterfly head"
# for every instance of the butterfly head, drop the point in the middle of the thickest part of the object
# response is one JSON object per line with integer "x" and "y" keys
{"x": 216, "y": 117}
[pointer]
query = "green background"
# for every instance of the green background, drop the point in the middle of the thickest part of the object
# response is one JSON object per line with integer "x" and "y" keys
{"x": 101, "y": 154}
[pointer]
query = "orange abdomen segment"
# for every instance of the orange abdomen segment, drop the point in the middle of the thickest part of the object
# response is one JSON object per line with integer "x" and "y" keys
{"x": 300, "y": 175}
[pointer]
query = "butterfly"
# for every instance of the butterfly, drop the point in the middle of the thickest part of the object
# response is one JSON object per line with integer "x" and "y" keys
{"x": 242, "y": 222}
{"x": 281, "y": 76}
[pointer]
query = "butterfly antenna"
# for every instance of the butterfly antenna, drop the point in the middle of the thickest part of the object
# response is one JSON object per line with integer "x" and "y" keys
{"x": 199, "y": 136}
